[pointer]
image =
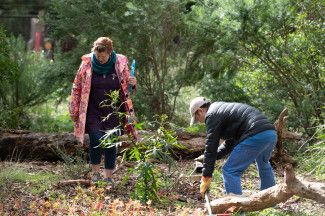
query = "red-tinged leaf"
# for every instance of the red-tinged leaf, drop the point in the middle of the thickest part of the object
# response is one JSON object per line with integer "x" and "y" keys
{"x": 99, "y": 206}
{"x": 80, "y": 212}
{"x": 72, "y": 210}
{"x": 18, "y": 203}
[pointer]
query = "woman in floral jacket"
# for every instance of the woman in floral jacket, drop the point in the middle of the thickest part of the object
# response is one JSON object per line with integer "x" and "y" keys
{"x": 101, "y": 72}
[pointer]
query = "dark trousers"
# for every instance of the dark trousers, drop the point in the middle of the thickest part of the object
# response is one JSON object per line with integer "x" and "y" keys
{"x": 95, "y": 152}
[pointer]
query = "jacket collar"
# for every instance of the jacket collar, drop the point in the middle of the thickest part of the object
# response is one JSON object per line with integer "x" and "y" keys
{"x": 87, "y": 58}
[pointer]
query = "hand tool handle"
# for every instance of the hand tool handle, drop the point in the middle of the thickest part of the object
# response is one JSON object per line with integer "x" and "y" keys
{"x": 206, "y": 196}
{"x": 132, "y": 73}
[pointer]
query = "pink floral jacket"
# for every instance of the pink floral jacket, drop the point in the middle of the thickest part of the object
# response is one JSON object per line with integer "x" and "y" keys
{"x": 81, "y": 89}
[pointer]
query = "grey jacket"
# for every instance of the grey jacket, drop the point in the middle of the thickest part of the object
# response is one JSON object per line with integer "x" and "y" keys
{"x": 232, "y": 122}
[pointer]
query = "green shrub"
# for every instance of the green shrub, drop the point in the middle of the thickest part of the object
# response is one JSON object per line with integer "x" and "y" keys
{"x": 50, "y": 117}
{"x": 153, "y": 148}
{"x": 74, "y": 166}
{"x": 312, "y": 160}
{"x": 196, "y": 128}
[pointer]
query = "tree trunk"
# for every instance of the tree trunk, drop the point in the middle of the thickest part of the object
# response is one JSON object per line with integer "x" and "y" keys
{"x": 21, "y": 145}
{"x": 272, "y": 196}
{"x": 280, "y": 156}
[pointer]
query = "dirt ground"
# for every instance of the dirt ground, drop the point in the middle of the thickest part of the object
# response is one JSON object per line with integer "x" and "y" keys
{"x": 181, "y": 196}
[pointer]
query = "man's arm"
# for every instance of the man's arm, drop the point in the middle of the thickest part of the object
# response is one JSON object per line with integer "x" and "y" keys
{"x": 211, "y": 145}
{"x": 225, "y": 148}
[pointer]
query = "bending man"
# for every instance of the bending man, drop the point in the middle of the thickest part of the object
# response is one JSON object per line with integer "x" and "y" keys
{"x": 249, "y": 136}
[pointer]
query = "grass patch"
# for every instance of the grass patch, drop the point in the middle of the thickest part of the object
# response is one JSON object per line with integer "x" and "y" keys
{"x": 35, "y": 183}
{"x": 312, "y": 160}
{"x": 273, "y": 212}
{"x": 196, "y": 128}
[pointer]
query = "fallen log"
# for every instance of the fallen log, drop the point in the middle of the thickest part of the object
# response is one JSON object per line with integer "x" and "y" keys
{"x": 74, "y": 182}
{"x": 22, "y": 145}
{"x": 272, "y": 196}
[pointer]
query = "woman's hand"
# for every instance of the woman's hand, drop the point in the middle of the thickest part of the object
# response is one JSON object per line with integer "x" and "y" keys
{"x": 133, "y": 81}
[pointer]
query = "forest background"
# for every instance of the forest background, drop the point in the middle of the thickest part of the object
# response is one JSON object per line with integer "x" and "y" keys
{"x": 269, "y": 54}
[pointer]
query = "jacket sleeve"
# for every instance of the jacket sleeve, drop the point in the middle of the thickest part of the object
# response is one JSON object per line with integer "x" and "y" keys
{"x": 225, "y": 148}
{"x": 76, "y": 95}
{"x": 129, "y": 127}
{"x": 127, "y": 75}
{"x": 211, "y": 145}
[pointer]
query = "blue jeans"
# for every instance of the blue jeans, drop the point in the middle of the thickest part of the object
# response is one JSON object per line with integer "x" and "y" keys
{"x": 96, "y": 153}
{"x": 257, "y": 148}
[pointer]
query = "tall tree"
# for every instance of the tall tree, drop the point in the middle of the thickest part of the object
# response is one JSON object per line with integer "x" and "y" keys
{"x": 282, "y": 38}
{"x": 22, "y": 83}
{"x": 152, "y": 32}
{"x": 158, "y": 40}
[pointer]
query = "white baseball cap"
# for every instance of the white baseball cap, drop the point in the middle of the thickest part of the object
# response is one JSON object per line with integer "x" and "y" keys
{"x": 195, "y": 104}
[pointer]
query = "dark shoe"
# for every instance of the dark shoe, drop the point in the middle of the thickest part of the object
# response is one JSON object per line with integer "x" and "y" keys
{"x": 96, "y": 177}
{"x": 108, "y": 181}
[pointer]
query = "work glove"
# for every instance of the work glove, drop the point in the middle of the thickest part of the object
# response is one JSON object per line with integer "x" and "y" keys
{"x": 205, "y": 184}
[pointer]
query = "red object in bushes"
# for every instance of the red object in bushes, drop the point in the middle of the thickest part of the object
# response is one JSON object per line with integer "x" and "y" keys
{"x": 38, "y": 41}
